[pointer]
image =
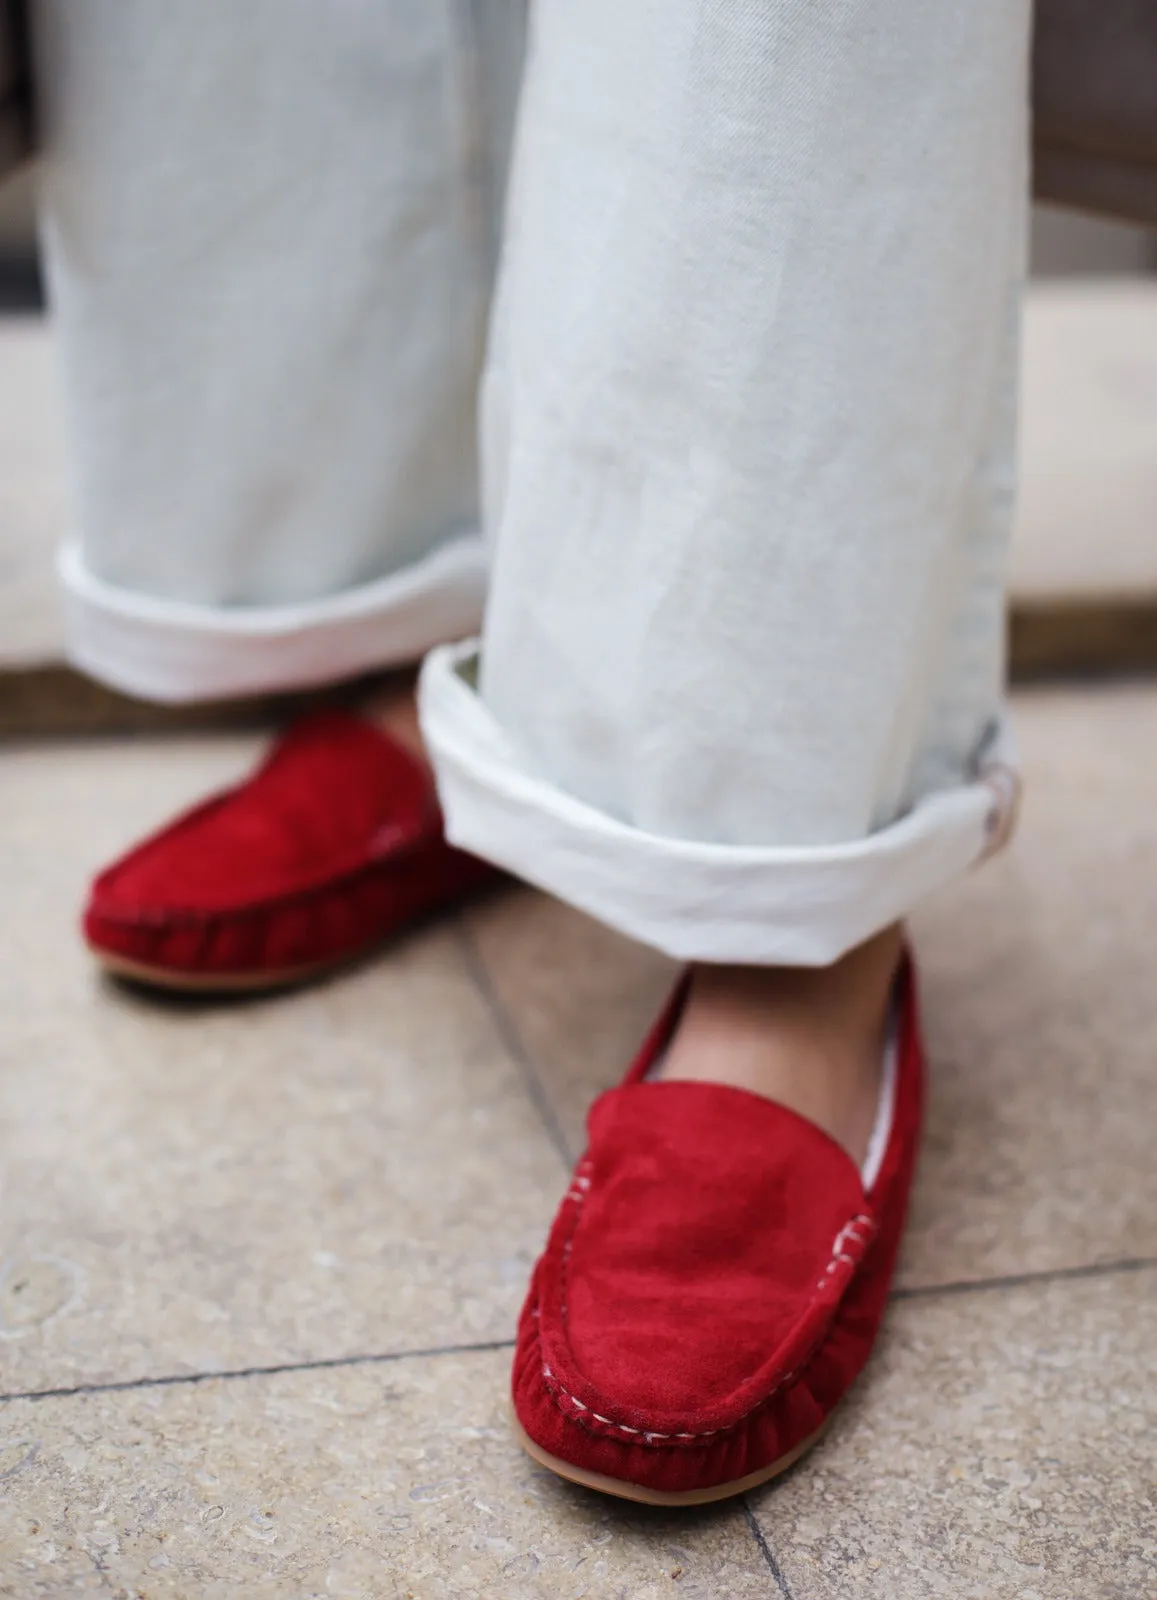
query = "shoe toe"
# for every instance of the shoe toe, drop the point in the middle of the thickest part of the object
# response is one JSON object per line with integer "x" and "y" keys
{"x": 689, "y": 1285}
{"x": 284, "y": 872}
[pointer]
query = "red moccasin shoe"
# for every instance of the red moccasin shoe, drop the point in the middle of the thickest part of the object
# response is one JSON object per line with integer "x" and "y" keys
{"x": 714, "y": 1281}
{"x": 334, "y": 844}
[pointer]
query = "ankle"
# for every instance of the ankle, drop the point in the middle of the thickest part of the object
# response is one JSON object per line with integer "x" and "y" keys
{"x": 812, "y": 1039}
{"x": 846, "y": 1003}
{"x": 396, "y": 711}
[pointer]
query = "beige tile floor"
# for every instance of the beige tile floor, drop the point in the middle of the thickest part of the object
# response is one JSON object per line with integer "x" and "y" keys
{"x": 259, "y": 1263}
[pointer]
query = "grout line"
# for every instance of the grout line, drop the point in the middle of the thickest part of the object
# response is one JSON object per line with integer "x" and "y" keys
{"x": 767, "y": 1552}
{"x": 170, "y": 1380}
{"x": 1020, "y": 1280}
{"x": 1016, "y": 1280}
{"x": 507, "y": 1031}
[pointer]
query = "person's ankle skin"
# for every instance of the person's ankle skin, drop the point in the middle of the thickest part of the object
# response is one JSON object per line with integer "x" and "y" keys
{"x": 811, "y": 1038}
{"x": 395, "y": 709}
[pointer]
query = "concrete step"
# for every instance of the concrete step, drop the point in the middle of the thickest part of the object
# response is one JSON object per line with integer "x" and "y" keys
{"x": 1084, "y": 568}
{"x": 262, "y": 1259}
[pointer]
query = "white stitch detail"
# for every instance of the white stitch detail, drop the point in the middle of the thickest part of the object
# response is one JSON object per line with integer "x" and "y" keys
{"x": 850, "y": 1233}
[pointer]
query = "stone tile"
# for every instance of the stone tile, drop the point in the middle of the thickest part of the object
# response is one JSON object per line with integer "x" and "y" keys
{"x": 1084, "y": 522}
{"x": 1042, "y": 1011}
{"x": 1040, "y": 1005}
{"x": 580, "y": 996}
{"x": 352, "y": 1168}
{"x": 393, "y": 1480}
{"x": 1001, "y": 1444}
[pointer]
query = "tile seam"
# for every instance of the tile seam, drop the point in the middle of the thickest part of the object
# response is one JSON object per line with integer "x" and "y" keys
{"x": 170, "y": 1380}
{"x": 511, "y": 1038}
{"x": 770, "y": 1558}
{"x": 1023, "y": 1280}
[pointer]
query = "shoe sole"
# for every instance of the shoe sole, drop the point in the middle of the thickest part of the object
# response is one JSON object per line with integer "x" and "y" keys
{"x": 227, "y": 983}
{"x": 218, "y": 983}
{"x": 622, "y": 1490}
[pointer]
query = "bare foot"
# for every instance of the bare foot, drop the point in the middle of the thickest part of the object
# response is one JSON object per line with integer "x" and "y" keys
{"x": 811, "y": 1038}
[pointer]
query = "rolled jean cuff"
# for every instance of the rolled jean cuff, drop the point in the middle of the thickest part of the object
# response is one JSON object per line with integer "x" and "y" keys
{"x": 174, "y": 651}
{"x": 695, "y": 901}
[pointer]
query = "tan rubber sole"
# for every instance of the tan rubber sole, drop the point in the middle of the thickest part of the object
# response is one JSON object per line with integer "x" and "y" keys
{"x": 216, "y": 983}
{"x": 657, "y": 1497}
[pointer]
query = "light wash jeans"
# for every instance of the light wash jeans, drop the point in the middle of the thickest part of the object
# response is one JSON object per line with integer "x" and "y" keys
{"x": 747, "y": 416}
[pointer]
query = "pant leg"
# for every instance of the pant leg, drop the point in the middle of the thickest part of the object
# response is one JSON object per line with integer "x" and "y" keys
{"x": 270, "y": 233}
{"x": 748, "y": 443}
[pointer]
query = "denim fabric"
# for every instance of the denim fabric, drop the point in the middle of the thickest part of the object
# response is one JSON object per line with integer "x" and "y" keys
{"x": 748, "y": 415}
{"x": 749, "y": 424}
{"x": 270, "y": 233}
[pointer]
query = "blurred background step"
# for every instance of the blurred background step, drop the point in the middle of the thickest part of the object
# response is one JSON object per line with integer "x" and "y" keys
{"x": 1084, "y": 566}
{"x": 1084, "y": 559}
{"x": 1087, "y": 520}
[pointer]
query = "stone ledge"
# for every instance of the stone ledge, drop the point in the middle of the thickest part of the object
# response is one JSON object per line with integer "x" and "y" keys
{"x": 1058, "y": 637}
{"x": 1079, "y": 635}
{"x": 55, "y": 700}
{"x": 1084, "y": 561}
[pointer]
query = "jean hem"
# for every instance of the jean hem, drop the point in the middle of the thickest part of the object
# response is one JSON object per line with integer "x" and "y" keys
{"x": 175, "y": 652}
{"x": 694, "y": 901}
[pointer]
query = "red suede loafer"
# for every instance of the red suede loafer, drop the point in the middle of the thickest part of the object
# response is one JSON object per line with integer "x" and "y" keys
{"x": 333, "y": 845}
{"x": 714, "y": 1281}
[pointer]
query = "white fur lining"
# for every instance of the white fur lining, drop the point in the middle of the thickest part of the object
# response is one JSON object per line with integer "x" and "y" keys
{"x": 885, "y": 1109}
